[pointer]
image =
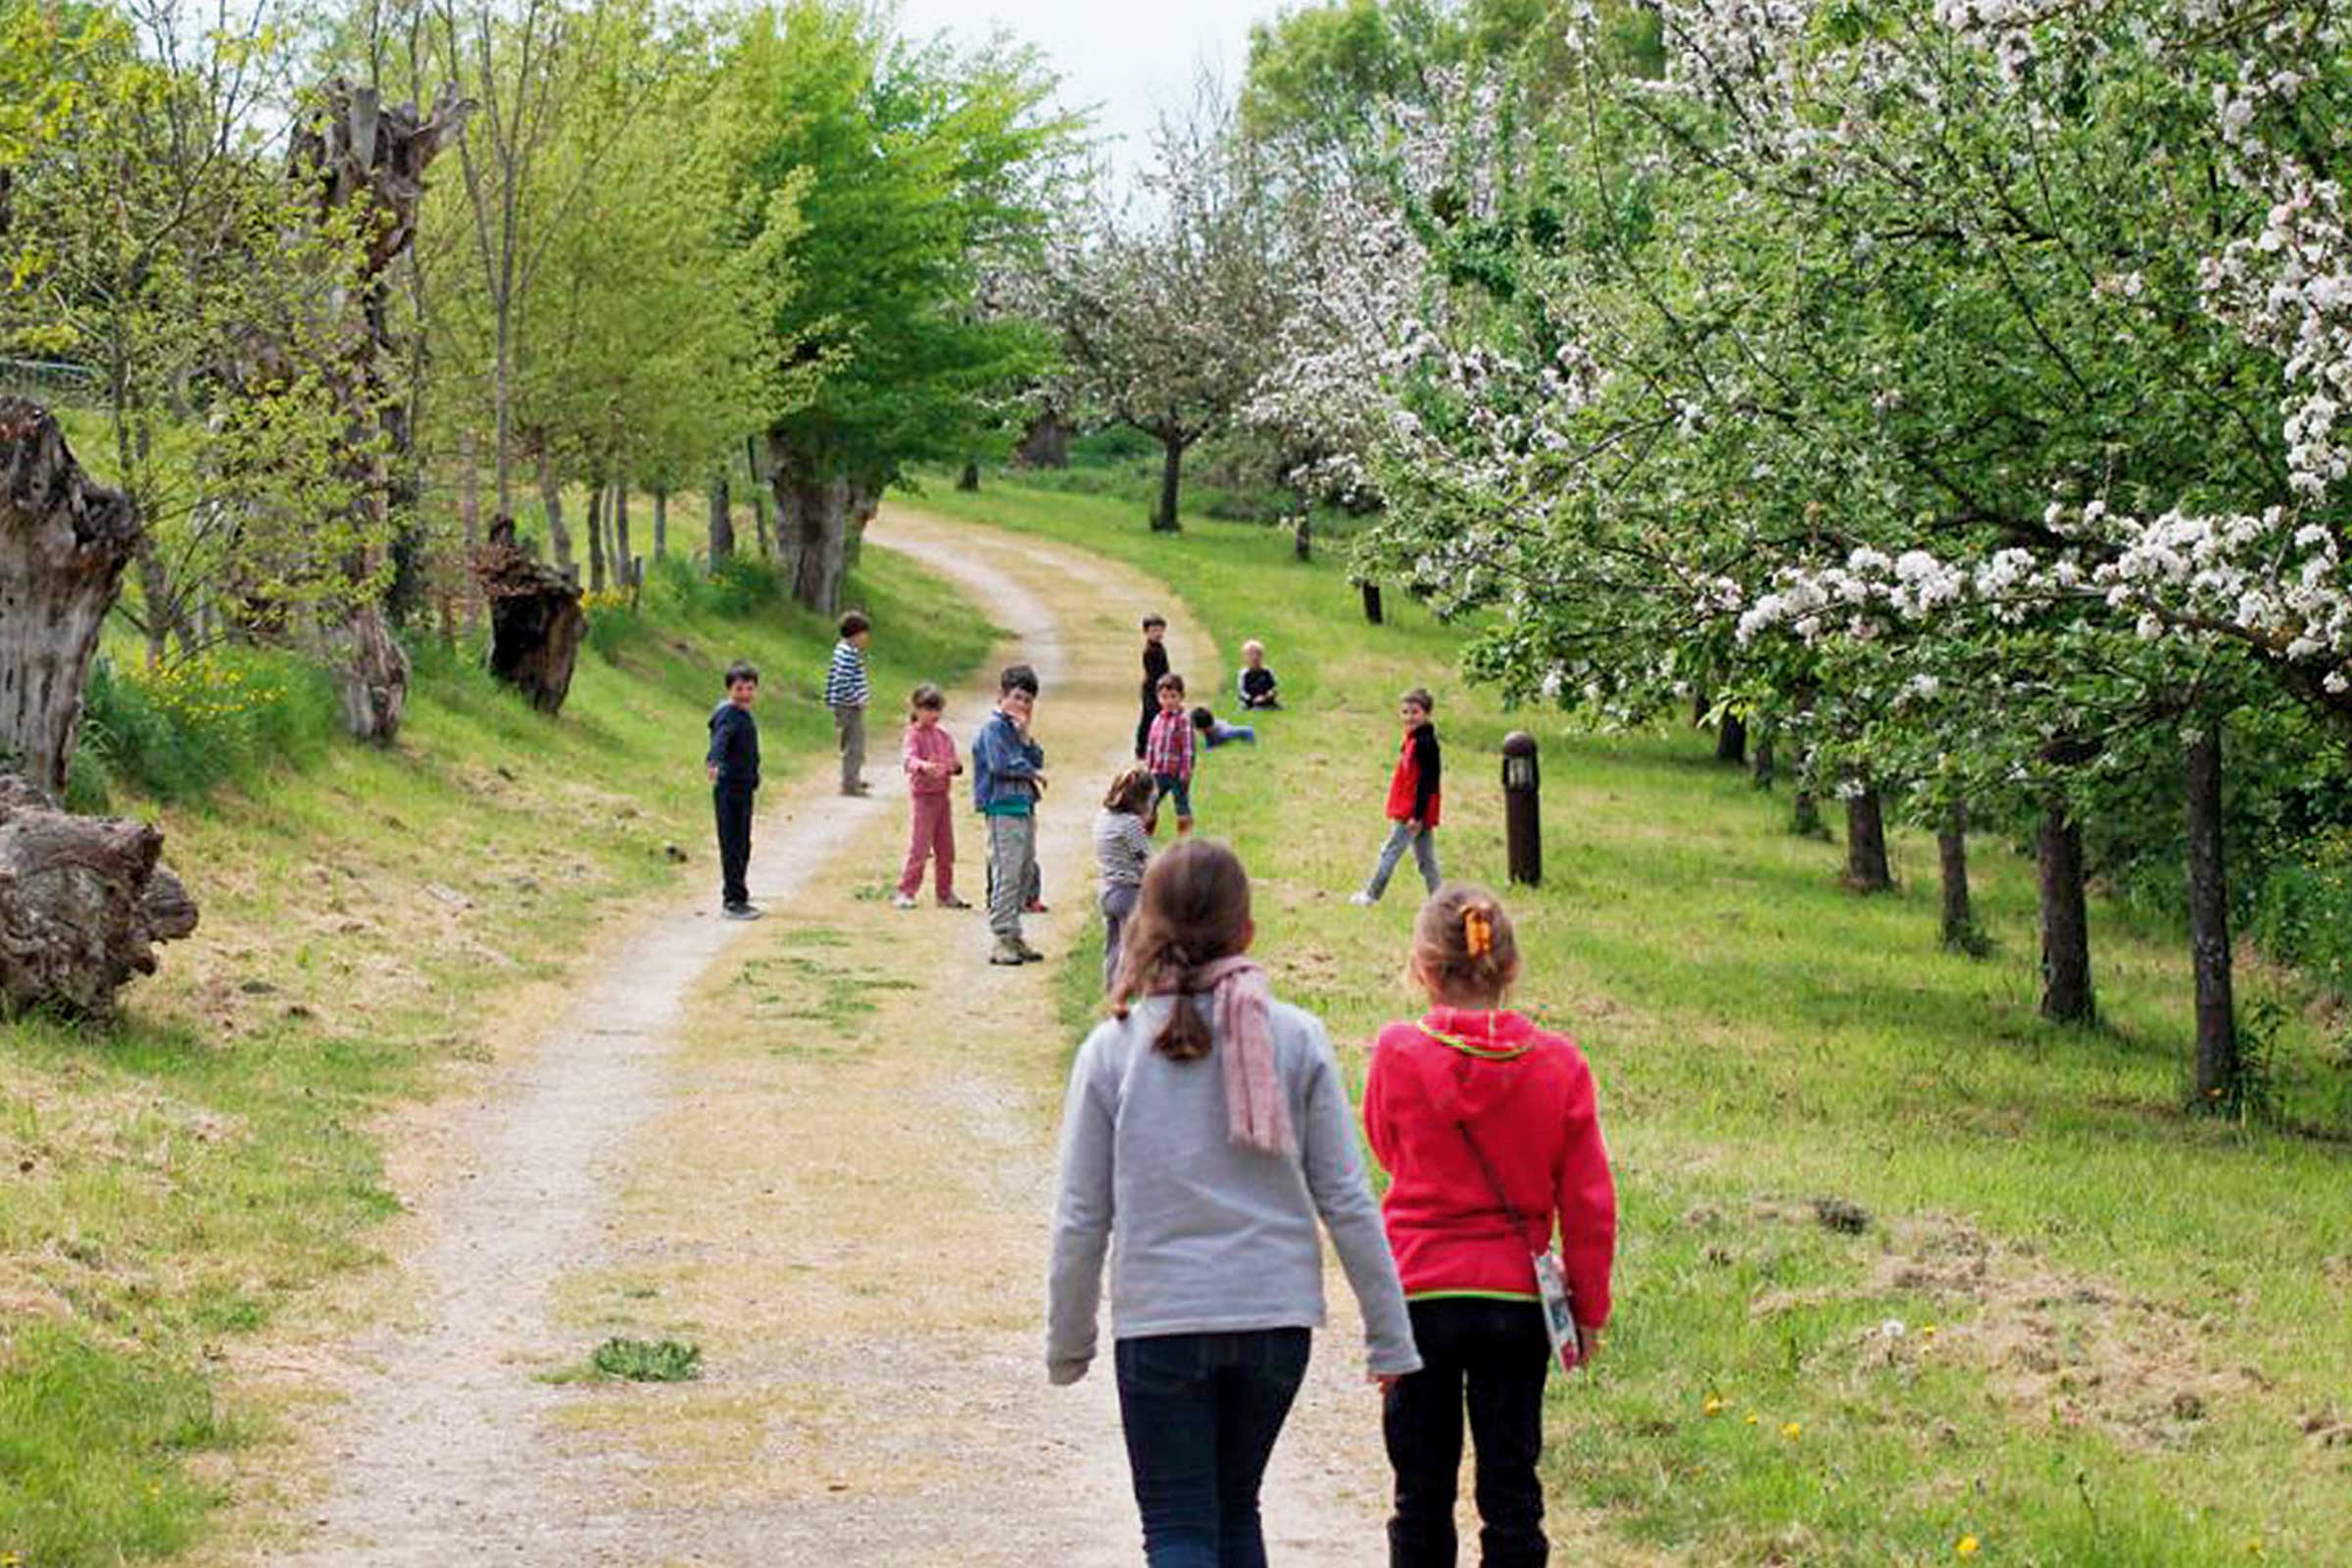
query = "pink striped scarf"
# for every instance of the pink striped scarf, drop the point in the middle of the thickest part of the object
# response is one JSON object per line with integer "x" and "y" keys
{"x": 1242, "y": 1018}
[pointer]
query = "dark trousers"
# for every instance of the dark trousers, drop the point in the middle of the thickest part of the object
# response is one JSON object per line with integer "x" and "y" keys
{"x": 1143, "y": 725}
{"x": 1493, "y": 1357}
{"x": 1201, "y": 1412}
{"x": 734, "y": 810}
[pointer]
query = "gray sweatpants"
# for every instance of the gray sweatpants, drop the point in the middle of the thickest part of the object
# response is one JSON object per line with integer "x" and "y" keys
{"x": 1423, "y": 842}
{"x": 1012, "y": 870}
{"x": 850, "y": 722}
{"x": 1118, "y": 909}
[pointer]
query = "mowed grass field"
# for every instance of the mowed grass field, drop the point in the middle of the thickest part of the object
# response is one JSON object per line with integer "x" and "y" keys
{"x": 376, "y": 925}
{"x": 1907, "y": 1275}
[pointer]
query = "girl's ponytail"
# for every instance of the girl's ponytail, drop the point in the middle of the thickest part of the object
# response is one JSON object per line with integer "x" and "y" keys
{"x": 1194, "y": 909}
{"x": 1464, "y": 943}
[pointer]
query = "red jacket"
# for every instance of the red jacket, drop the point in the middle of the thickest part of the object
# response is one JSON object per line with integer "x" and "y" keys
{"x": 1413, "y": 788}
{"x": 1527, "y": 1097}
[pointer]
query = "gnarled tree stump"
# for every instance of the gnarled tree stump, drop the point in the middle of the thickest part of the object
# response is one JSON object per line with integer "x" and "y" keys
{"x": 536, "y": 622}
{"x": 63, "y": 545}
{"x": 83, "y": 901}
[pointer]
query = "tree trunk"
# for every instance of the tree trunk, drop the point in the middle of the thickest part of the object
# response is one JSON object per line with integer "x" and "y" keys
{"x": 761, "y": 534}
{"x": 1046, "y": 444}
{"x": 817, "y": 522}
{"x": 1866, "y": 868}
{"x": 372, "y": 671}
{"x": 536, "y": 622}
{"x": 1303, "y": 534}
{"x": 969, "y": 479}
{"x": 662, "y": 524}
{"x": 1165, "y": 519}
{"x": 1804, "y": 815}
{"x": 2217, "y": 1062}
{"x": 595, "y": 538}
{"x": 63, "y": 545}
{"x": 551, "y": 501}
{"x": 624, "y": 554}
{"x": 84, "y": 900}
{"x": 1951, "y": 858}
{"x": 2066, "y": 991}
{"x": 722, "y": 521}
{"x": 1731, "y": 740}
{"x": 1760, "y": 755}
{"x": 469, "y": 511}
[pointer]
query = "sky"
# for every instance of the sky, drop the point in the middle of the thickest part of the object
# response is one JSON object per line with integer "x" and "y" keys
{"x": 1131, "y": 58}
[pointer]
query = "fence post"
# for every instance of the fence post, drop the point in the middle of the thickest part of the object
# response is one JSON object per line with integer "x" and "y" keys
{"x": 1523, "y": 820}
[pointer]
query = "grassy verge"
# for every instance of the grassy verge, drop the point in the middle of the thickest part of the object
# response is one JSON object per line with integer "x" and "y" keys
{"x": 373, "y": 921}
{"x": 2075, "y": 1326}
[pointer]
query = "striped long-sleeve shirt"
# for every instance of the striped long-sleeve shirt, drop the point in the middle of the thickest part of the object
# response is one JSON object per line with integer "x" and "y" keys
{"x": 845, "y": 683}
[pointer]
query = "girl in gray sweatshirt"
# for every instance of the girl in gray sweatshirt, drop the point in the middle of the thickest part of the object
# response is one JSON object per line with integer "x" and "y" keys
{"x": 1206, "y": 1132}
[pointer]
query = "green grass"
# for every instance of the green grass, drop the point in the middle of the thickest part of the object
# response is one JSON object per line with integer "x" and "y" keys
{"x": 201, "y": 1171}
{"x": 2137, "y": 1313}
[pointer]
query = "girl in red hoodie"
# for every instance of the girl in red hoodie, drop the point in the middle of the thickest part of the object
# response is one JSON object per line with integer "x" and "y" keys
{"x": 1487, "y": 1128}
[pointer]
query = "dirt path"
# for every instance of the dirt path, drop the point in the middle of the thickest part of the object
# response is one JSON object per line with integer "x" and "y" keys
{"x": 820, "y": 1147}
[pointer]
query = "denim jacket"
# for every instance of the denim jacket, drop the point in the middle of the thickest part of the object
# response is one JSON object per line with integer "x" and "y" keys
{"x": 1003, "y": 763}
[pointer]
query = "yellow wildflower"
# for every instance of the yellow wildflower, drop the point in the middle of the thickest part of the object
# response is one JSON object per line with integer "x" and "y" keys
{"x": 1714, "y": 1405}
{"x": 1752, "y": 1418}
{"x": 1794, "y": 1430}
{"x": 1966, "y": 1547}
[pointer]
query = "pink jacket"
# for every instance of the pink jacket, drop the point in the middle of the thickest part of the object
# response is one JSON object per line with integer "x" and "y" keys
{"x": 932, "y": 745}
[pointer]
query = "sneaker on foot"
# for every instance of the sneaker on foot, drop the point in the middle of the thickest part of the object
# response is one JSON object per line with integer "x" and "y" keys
{"x": 901, "y": 900}
{"x": 1035, "y": 906}
{"x": 1007, "y": 956}
{"x": 950, "y": 902}
{"x": 1361, "y": 900}
{"x": 743, "y": 911}
{"x": 1029, "y": 954}
{"x": 857, "y": 789}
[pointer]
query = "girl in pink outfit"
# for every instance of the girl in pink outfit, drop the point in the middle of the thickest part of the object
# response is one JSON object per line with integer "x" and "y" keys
{"x": 930, "y": 763}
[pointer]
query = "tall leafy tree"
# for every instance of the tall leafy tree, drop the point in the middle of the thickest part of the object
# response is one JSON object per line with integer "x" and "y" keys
{"x": 916, "y": 170}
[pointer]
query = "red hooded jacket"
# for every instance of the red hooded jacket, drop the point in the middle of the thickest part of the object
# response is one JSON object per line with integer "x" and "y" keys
{"x": 1527, "y": 1097}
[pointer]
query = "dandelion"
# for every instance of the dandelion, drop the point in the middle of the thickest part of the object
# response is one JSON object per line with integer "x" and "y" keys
{"x": 2254, "y": 1547}
{"x": 1927, "y": 1333}
{"x": 1714, "y": 1405}
{"x": 1752, "y": 1418}
{"x": 1793, "y": 1431}
{"x": 1965, "y": 1547}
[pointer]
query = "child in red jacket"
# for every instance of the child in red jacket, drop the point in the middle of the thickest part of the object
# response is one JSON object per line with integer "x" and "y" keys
{"x": 1487, "y": 1128}
{"x": 1413, "y": 800}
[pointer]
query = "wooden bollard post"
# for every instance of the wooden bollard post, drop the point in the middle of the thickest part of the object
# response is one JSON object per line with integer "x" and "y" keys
{"x": 1371, "y": 602}
{"x": 1522, "y": 814}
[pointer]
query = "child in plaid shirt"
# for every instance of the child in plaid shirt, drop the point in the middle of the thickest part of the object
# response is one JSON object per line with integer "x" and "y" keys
{"x": 1168, "y": 755}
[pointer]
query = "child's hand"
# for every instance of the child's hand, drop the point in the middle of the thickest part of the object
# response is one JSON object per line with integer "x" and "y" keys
{"x": 1385, "y": 1381}
{"x": 711, "y": 769}
{"x": 1588, "y": 1346}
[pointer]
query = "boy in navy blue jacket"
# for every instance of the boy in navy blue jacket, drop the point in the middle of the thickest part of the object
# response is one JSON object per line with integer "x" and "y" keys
{"x": 1009, "y": 774}
{"x": 733, "y": 764}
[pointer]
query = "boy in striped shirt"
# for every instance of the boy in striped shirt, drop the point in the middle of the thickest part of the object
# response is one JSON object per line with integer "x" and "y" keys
{"x": 847, "y": 693}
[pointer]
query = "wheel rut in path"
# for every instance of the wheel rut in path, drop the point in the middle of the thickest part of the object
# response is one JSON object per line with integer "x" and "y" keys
{"x": 842, "y": 1194}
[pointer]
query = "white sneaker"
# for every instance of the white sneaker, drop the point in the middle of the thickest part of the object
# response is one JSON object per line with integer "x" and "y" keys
{"x": 1361, "y": 900}
{"x": 900, "y": 900}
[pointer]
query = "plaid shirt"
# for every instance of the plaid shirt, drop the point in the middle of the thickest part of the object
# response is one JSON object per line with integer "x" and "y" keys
{"x": 845, "y": 682}
{"x": 1168, "y": 753}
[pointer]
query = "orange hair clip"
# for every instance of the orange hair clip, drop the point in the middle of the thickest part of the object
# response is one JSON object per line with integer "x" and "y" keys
{"x": 1478, "y": 932}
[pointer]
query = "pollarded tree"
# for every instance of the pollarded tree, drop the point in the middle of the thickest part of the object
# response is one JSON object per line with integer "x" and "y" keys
{"x": 913, "y": 172}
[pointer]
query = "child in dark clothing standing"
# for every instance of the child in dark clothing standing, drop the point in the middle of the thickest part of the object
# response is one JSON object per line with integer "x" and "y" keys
{"x": 1413, "y": 800}
{"x": 1489, "y": 1129}
{"x": 1156, "y": 664}
{"x": 733, "y": 765}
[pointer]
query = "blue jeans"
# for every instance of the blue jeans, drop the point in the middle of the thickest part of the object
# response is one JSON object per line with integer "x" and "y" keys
{"x": 1201, "y": 1412}
{"x": 1403, "y": 836}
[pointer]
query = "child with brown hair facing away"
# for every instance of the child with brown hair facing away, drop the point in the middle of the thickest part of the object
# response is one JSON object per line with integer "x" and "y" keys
{"x": 1207, "y": 1128}
{"x": 1122, "y": 848}
{"x": 1489, "y": 1129}
{"x": 930, "y": 761}
{"x": 1168, "y": 755}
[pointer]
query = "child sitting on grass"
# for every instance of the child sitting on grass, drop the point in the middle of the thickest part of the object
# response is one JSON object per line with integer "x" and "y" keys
{"x": 1255, "y": 684}
{"x": 1122, "y": 850}
{"x": 1168, "y": 755}
{"x": 1215, "y": 733}
{"x": 931, "y": 761}
{"x": 1488, "y": 1130}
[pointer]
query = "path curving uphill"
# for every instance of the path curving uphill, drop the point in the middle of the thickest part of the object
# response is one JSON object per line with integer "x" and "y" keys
{"x": 821, "y": 1147}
